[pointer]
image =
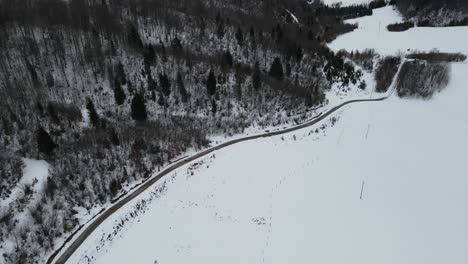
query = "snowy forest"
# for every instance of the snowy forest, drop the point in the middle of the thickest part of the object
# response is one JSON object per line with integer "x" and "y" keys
{"x": 106, "y": 91}
{"x": 109, "y": 91}
{"x": 435, "y": 13}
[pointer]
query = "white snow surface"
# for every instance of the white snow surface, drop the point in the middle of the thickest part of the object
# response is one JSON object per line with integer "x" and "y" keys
{"x": 297, "y": 198}
{"x": 85, "y": 117}
{"x": 373, "y": 33}
{"x": 35, "y": 170}
{"x": 344, "y": 2}
{"x": 34, "y": 174}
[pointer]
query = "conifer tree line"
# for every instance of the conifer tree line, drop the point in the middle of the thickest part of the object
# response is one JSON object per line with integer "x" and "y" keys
{"x": 109, "y": 91}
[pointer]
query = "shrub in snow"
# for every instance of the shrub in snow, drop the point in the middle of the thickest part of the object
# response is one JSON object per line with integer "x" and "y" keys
{"x": 386, "y": 70}
{"x": 45, "y": 144}
{"x": 435, "y": 56}
{"x": 211, "y": 83}
{"x": 399, "y": 27}
{"x": 422, "y": 79}
{"x": 377, "y": 4}
{"x": 138, "y": 107}
{"x": 276, "y": 70}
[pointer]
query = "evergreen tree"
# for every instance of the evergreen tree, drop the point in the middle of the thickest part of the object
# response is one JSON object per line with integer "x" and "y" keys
{"x": 214, "y": 108}
{"x": 211, "y": 83}
{"x": 279, "y": 33}
{"x": 227, "y": 60}
{"x": 252, "y": 33}
{"x": 239, "y": 36}
{"x": 288, "y": 69}
{"x": 181, "y": 87}
{"x": 165, "y": 84}
{"x": 93, "y": 115}
{"x": 120, "y": 74}
{"x": 114, "y": 187}
{"x": 113, "y": 49}
{"x": 52, "y": 113}
{"x": 276, "y": 70}
{"x": 256, "y": 77}
{"x": 161, "y": 101}
{"x": 238, "y": 85}
{"x": 134, "y": 39}
{"x": 308, "y": 102}
{"x": 138, "y": 108}
{"x": 130, "y": 88}
{"x": 163, "y": 53}
{"x": 152, "y": 85}
{"x": 50, "y": 187}
{"x": 34, "y": 77}
{"x": 299, "y": 53}
{"x": 220, "y": 31}
{"x": 176, "y": 44}
{"x": 218, "y": 18}
{"x": 50, "y": 80}
{"x": 114, "y": 138}
{"x": 45, "y": 144}
{"x": 119, "y": 94}
{"x": 149, "y": 58}
{"x": 40, "y": 109}
{"x": 219, "y": 26}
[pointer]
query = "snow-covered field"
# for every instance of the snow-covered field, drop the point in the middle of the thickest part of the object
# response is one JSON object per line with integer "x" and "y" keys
{"x": 381, "y": 182}
{"x": 297, "y": 198}
{"x": 373, "y": 33}
{"x": 345, "y": 2}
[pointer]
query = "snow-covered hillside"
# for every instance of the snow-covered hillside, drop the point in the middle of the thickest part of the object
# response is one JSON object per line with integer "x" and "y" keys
{"x": 34, "y": 176}
{"x": 297, "y": 198}
{"x": 377, "y": 182}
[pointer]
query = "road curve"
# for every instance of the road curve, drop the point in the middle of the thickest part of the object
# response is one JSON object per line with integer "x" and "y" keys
{"x": 67, "y": 253}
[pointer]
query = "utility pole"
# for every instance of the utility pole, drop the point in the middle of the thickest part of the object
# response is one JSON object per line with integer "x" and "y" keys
{"x": 368, "y": 128}
{"x": 362, "y": 189}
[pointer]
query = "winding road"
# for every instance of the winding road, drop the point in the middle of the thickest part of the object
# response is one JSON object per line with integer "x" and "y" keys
{"x": 65, "y": 254}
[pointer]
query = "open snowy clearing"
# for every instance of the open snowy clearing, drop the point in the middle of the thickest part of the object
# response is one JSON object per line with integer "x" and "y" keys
{"x": 279, "y": 201}
{"x": 28, "y": 188}
{"x": 34, "y": 175}
{"x": 373, "y": 33}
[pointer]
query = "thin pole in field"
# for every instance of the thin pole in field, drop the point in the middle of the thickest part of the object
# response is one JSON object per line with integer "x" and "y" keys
{"x": 362, "y": 189}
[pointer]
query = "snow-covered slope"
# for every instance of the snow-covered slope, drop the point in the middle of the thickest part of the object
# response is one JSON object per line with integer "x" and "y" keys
{"x": 297, "y": 198}
{"x": 373, "y": 33}
{"x": 26, "y": 193}
{"x": 34, "y": 177}
{"x": 381, "y": 182}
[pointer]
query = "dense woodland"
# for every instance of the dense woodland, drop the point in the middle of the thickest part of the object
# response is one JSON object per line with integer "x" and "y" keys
{"x": 422, "y": 79}
{"x": 107, "y": 91}
{"x": 435, "y": 13}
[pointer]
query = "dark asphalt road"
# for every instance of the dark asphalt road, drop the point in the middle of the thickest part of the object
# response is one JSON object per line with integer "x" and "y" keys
{"x": 65, "y": 255}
